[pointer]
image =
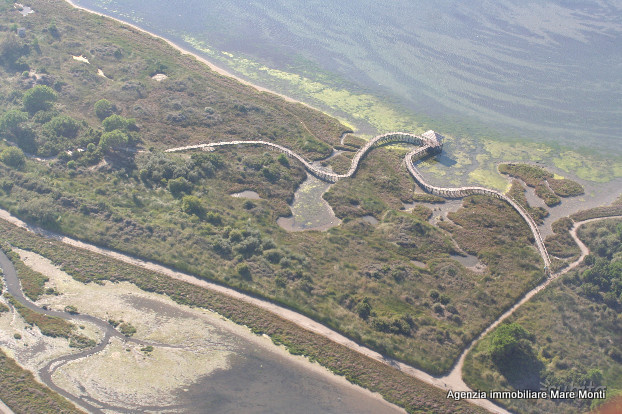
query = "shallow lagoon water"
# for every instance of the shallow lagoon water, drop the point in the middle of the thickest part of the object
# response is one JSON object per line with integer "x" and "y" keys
{"x": 251, "y": 195}
{"x": 309, "y": 210}
{"x": 544, "y": 70}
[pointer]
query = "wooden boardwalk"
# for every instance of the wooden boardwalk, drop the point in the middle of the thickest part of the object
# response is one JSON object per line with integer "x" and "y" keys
{"x": 428, "y": 144}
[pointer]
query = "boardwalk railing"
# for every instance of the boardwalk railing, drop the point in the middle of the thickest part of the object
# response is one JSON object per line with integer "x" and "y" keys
{"x": 429, "y": 143}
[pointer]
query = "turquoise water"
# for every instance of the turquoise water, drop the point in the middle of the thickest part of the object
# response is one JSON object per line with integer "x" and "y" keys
{"x": 542, "y": 70}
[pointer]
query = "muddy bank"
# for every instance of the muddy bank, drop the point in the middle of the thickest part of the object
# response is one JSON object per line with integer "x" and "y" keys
{"x": 309, "y": 210}
{"x": 200, "y": 362}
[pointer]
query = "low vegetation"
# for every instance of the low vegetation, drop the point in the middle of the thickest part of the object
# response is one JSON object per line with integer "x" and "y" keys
{"x": 615, "y": 209}
{"x": 560, "y": 244}
{"x": 21, "y": 392}
{"x": 564, "y": 187}
{"x": 33, "y": 283}
{"x": 517, "y": 193}
{"x": 427, "y": 198}
{"x": 381, "y": 182}
{"x": 584, "y": 305}
{"x": 48, "y": 325}
{"x": 51, "y": 326}
{"x": 547, "y": 195}
{"x": 548, "y": 188}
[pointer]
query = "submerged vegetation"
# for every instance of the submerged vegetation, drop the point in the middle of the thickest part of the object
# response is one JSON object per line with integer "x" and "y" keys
{"x": 548, "y": 188}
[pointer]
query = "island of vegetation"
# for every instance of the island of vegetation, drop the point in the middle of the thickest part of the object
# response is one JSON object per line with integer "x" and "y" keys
{"x": 89, "y": 107}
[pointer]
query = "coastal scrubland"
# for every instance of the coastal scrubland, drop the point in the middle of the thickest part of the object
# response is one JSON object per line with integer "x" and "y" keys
{"x": 583, "y": 305}
{"x": 396, "y": 387}
{"x": 100, "y": 175}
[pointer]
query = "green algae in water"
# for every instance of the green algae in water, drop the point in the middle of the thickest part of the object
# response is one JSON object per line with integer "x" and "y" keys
{"x": 309, "y": 210}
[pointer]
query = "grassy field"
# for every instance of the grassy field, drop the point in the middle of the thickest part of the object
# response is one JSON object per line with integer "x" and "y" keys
{"x": 585, "y": 306}
{"x": 176, "y": 209}
{"x": 393, "y": 385}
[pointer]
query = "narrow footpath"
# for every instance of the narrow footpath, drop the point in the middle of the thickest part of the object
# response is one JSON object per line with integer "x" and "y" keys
{"x": 4, "y": 409}
{"x": 452, "y": 381}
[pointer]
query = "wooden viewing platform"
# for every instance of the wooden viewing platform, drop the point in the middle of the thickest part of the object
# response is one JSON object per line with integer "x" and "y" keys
{"x": 428, "y": 144}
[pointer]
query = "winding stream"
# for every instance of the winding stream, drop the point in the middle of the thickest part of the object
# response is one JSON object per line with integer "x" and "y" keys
{"x": 13, "y": 286}
{"x": 451, "y": 381}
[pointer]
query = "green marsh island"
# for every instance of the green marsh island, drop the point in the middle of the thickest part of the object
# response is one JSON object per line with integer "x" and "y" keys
{"x": 175, "y": 240}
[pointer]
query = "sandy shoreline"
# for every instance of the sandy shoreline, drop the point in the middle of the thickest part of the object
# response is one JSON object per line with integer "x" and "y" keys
{"x": 201, "y": 59}
{"x": 45, "y": 266}
{"x": 40, "y": 264}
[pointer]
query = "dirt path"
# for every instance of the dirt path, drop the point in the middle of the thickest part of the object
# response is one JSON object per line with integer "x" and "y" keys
{"x": 4, "y": 409}
{"x": 452, "y": 381}
{"x": 300, "y": 320}
{"x": 454, "y": 378}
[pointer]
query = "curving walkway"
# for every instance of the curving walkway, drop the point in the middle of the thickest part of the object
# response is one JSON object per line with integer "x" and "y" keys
{"x": 429, "y": 143}
{"x": 454, "y": 378}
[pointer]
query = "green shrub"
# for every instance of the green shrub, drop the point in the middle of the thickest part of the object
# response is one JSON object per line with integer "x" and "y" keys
{"x": 192, "y": 205}
{"x": 178, "y": 186}
{"x": 114, "y": 122}
{"x": 11, "y": 122}
{"x": 508, "y": 341}
{"x": 104, "y": 108}
{"x": 243, "y": 270}
{"x": 71, "y": 309}
{"x": 282, "y": 159}
{"x": 39, "y": 98}
{"x": 62, "y": 126}
{"x": 13, "y": 157}
{"x": 363, "y": 309}
{"x": 111, "y": 141}
{"x": 127, "y": 329}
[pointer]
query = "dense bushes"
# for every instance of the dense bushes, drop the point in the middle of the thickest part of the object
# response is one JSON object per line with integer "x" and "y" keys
{"x": 113, "y": 140}
{"x": 156, "y": 168}
{"x": 104, "y": 108}
{"x": 13, "y": 157}
{"x": 62, "y": 126}
{"x": 39, "y": 98}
